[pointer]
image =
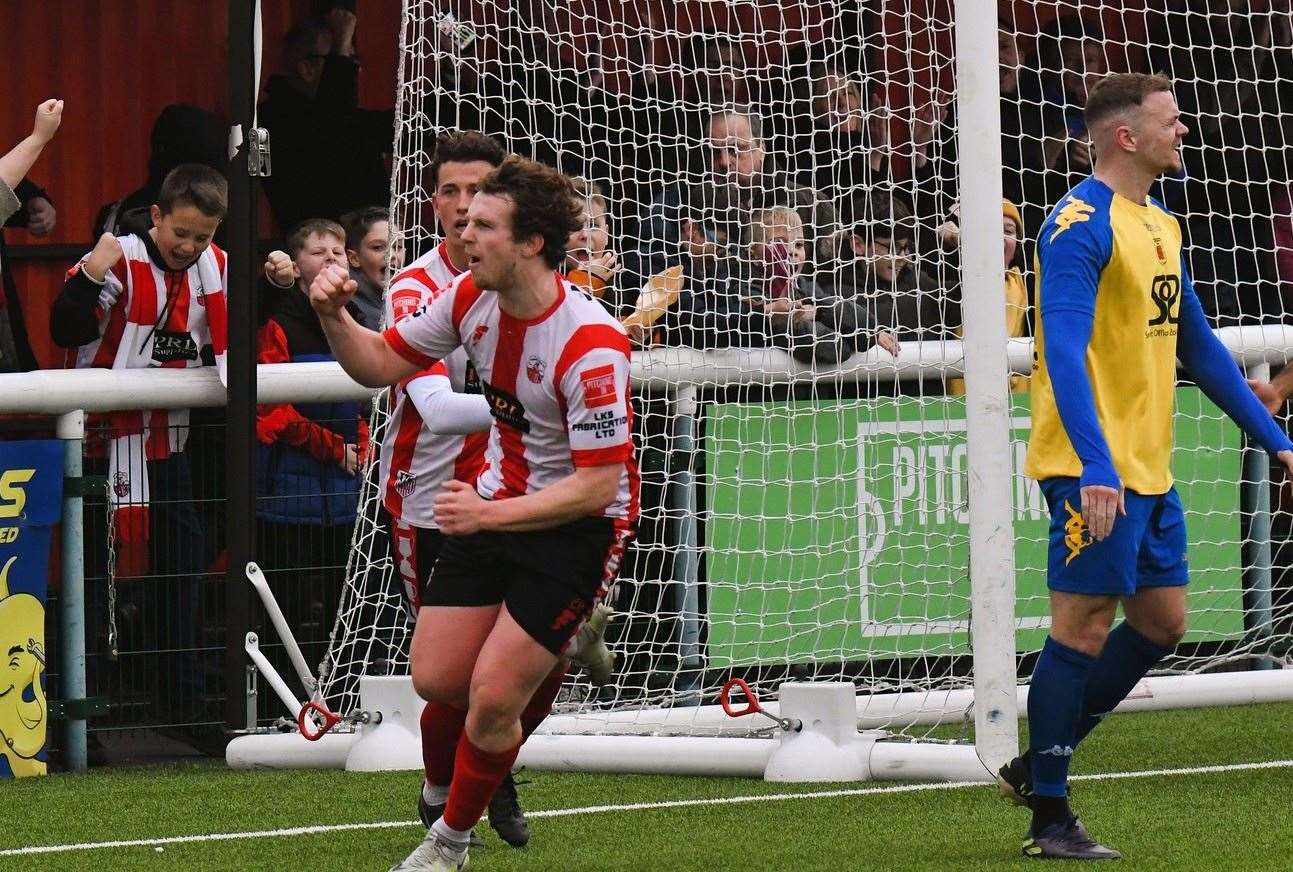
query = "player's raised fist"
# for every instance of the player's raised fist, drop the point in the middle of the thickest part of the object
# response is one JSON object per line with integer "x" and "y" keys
{"x": 106, "y": 254}
{"x": 331, "y": 290}
{"x": 49, "y": 115}
{"x": 279, "y": 269}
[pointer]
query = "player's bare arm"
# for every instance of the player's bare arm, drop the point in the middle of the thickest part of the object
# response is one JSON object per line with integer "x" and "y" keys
{"x": 586, "y": 491}
{"x": 362, "y": 353}
{"x": 1275, "y": 392}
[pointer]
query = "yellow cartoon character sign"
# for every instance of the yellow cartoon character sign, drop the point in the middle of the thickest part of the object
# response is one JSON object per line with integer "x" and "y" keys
{"x": 23, "y": 709}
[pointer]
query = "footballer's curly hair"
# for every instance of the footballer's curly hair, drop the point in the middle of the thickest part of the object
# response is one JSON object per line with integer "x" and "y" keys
{"x": 544, "y": 204}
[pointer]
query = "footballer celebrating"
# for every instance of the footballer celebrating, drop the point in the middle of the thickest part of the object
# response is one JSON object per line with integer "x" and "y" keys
{"x": 1117, "y": 311}
{"x": 535, "y": 543}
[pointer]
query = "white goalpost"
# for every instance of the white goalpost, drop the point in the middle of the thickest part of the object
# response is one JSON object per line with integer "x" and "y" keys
{"x": 809, "y": 527}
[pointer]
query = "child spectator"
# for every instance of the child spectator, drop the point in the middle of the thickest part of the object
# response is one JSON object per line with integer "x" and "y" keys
{"x": 884, "y": 276}
{"x": 371, "y": 252}
{"x": 1016, "y": 292}
{"x": 142, "y": 301}
{"x": 815, "y": 325}
{"x": 309, "y": 454}
{"x": 590, "y": 262}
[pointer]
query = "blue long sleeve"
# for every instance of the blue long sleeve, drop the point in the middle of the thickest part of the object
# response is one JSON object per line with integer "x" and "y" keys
{"x": 1068, "y": 332}
{"x": 1072, "y": 258}
{"x": 1209, "y": 363}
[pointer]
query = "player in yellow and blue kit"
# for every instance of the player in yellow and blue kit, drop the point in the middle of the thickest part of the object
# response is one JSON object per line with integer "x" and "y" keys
{"x": 1117, "y": 311}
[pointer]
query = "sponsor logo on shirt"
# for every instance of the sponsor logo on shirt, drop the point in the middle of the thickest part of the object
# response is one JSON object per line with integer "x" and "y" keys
{"x": 1074, "y": 211}
{"x": 471, "y": 380}
{"x": 1165, "y": 294}
{"x": 506, "y": 408}
{"x": 599, "y": 386}
{"x": 605, "y": 425}
{"x": 478, "y": 334}
{"x": 405, "y": 483}
{"x": 534, "y": 369}
{"x": 405, "y": 302}
{"x": 170, "y": 346}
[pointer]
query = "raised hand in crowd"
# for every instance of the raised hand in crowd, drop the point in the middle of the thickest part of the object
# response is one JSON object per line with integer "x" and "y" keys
{"x": 601, "y": 266}
{"x": 342, "y": 23}
{"x": 15, "y": 164}
{"x": 107, "y": 253}
{"x": 279, "y": 269}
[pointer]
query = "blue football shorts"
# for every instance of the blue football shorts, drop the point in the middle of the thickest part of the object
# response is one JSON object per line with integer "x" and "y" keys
{"x": 1146, "y": 548}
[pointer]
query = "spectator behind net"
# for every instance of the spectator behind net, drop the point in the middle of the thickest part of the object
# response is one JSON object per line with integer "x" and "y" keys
{"x": 881, "y": 272}
{"x": 372, "y": 251}
{"x": 700, "y": 295}
{"x": 804, "y": 317}
{"x": 317, "y": 130}
{"x": 743, "y": 175}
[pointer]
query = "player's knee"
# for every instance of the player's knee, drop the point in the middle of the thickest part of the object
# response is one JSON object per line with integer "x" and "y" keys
{"x": 1169, "y": 631}
{"x": 493, "y": 705}
{"x": 433, "y": 686}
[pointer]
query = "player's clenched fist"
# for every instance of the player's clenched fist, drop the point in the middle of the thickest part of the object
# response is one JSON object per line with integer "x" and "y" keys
{"x": 331, "y": 290}
{"x": 459, "y": 510}
{"x": 107, "y": 253}
{"x": 49, "y": 115}
{"x": 280, "y": 270}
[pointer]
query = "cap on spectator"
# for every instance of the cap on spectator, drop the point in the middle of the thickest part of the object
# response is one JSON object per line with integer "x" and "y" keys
{"x": 1011, "y": 211}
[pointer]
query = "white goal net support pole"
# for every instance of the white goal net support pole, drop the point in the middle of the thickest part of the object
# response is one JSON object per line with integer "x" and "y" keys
{"x": 987, "y": 426}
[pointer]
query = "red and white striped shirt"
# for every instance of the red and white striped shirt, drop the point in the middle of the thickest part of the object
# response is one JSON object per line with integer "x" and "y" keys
{"x": 415, "y": 463}
{"x": 153, "y": 317}
{"x": 558, "y": 386}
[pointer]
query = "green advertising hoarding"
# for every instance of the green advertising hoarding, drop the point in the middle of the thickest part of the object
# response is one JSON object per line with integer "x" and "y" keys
{"x": 837, "y": 530}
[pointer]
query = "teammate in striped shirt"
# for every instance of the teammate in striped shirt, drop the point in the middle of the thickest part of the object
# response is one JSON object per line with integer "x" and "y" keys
{"x": 426, "y": 461}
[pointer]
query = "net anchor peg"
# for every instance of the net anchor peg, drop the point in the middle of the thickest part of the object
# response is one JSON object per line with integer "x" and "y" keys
{"x": 789, "y": 725}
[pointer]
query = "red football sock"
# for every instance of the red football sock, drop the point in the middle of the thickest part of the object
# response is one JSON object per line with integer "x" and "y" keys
{"x": 476, "y": 775}
{"x": 441, "y": 729}
{"x": 540, "y": 705}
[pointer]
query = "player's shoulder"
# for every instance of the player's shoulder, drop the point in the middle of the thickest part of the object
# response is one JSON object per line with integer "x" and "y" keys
{"x": 1082, "y": 214}
{"x": 584, "y": 308}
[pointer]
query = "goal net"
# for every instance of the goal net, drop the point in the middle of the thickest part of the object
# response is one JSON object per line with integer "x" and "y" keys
{"x": 783, "y": 185}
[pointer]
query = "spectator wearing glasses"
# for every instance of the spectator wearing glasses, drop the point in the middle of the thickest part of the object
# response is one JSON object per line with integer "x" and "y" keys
{"x": 882, "y": 278}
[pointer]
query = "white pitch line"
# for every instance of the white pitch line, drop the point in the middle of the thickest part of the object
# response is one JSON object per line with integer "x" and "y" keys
{"x": 635, "y": 806}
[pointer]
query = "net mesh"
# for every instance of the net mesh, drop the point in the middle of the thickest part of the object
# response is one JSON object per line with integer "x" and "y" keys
{"x": 781, "y": 180}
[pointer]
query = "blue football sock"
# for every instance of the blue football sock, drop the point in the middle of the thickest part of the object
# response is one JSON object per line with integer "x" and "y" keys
{"x": 1126, "y": 657}
{"x": 1054, "y": 707}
